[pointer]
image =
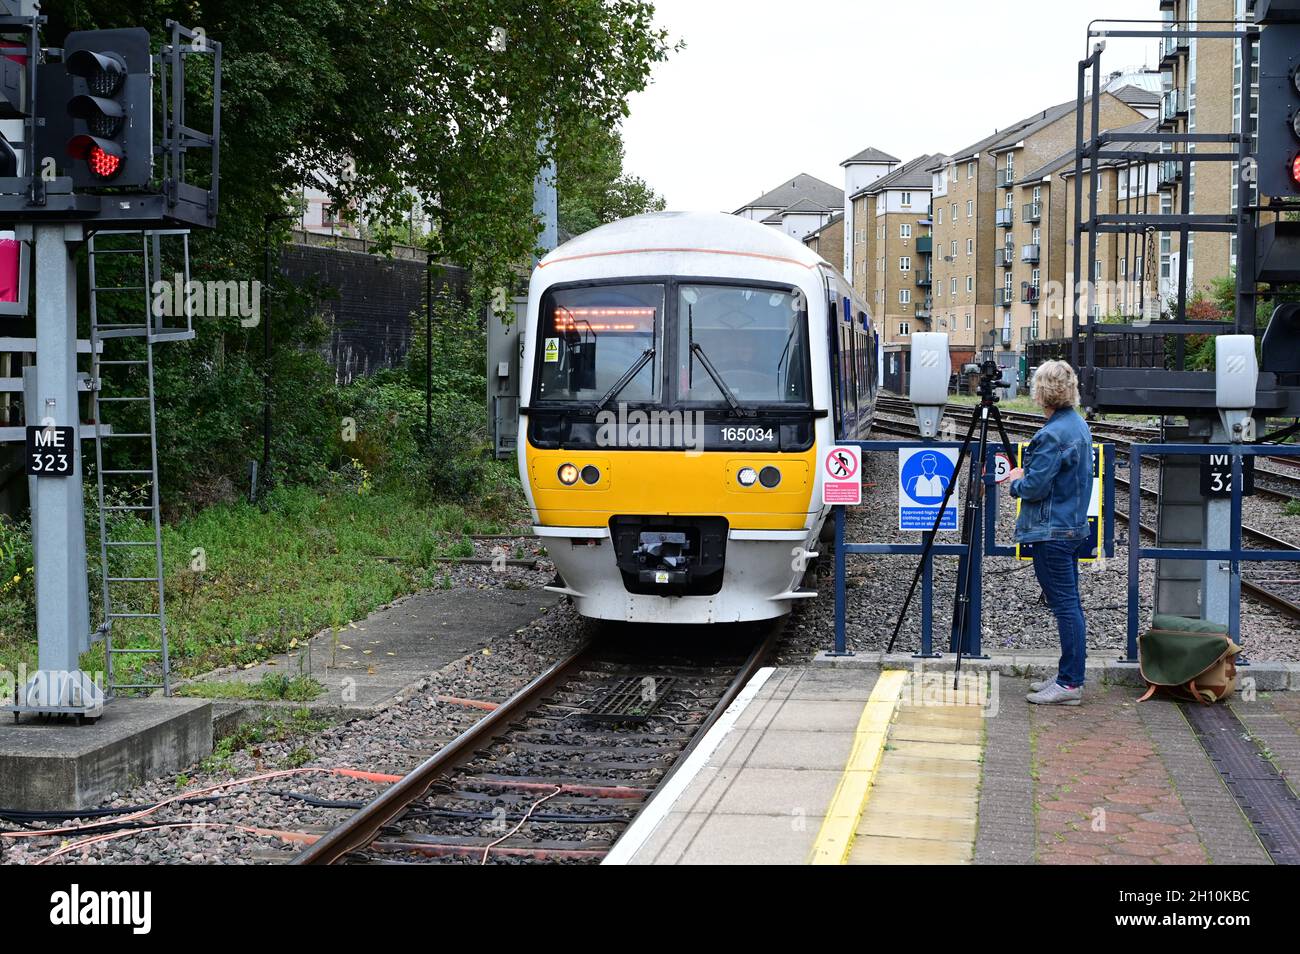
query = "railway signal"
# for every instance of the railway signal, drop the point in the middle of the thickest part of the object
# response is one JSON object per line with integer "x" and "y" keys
{"x": 1279, "y": 110}
{"x": 110, "y": 106}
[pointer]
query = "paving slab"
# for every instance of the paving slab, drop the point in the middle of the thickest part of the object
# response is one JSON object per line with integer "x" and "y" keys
{"x": 369, "y": 664}
{"x": 52, "y": 765}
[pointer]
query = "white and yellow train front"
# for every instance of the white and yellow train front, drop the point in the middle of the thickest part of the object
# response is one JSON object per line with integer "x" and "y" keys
{"x": 676, "y": 389}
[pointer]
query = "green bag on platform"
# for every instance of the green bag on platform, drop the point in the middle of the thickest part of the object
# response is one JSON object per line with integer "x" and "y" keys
{"x": 1189, "y": 658}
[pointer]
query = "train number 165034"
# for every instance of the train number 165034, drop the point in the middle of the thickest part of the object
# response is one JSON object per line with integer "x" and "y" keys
{"x": 749, "y": 435}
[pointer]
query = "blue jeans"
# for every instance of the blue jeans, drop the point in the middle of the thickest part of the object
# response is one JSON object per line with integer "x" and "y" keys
{"x": 1057, "y": 567}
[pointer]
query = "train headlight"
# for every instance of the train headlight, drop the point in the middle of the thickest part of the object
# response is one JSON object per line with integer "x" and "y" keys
{"x": 747, "y": 477}
{"x": 769, "y": 477}
{"x": 591, "y": 474}
{"x": 568, "y": 474}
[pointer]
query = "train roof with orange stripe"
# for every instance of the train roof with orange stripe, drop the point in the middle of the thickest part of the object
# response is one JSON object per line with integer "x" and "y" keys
{"x": 685, "y": 233}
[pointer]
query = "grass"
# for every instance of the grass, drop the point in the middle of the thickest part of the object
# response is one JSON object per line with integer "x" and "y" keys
{"x": 245, "y": 582}
{"x": 270, "y": 729}
{"x": 271, "y": 687}
{"x": 1022, "y": 404}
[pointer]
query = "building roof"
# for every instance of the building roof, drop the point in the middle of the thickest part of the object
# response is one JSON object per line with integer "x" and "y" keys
{"x": 1132, "y": 95}
{"x": 802, "y": 186}
{"x": 871, "y": 154}
{"x": 833, "y": 220}
{"x": 1066, "y": 161}
{"x": 913, "y": 174}
{"x": 805, "y": 205}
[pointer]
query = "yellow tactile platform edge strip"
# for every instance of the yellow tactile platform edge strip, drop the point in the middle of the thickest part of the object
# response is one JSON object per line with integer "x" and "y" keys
{"x": 850, "y": 799}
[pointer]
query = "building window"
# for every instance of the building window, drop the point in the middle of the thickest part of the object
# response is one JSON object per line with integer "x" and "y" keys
{"x": 905, "y": 231}
{"x": 970, "y": 208}
{"x": 1038, "y": 234}
{"x": 904, "y": 329}
{"x": 1123, "y": 268}
{"x": 907, "y": 199}
{"x": 940, "y": 216}
{"x": 969, "y": 324}
{"x": 905, "y": 263}
{"x": 970, "y": 246}
{"x": 952, "y": 285}
{"x": 954, "y": 213}
{"x": 953, "y": 248}
{"x": 970, "y": 169}
{"x": 1096, "y": 276}
{"x": 904, "y": 296}
{"x": 970, "y": 283}
{"x": 1033, "y": 323}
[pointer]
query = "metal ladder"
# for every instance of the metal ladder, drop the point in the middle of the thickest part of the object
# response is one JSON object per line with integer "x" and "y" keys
{"x": 112, "y": 497}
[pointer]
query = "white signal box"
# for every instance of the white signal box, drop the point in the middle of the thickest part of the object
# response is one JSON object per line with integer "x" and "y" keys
{"x": 1236, "y": 376}
{"x": 931, "y": 369}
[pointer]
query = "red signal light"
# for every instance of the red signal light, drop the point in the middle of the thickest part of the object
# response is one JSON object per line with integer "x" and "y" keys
{"x": 1295, "y": 170}
{"x": 103, "y": 164}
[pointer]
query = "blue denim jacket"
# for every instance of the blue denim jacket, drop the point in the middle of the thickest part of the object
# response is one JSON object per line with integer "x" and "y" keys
{"x": 1057, "y": 485}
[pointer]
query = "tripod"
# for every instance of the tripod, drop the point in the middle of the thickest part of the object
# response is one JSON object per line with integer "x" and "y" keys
{"x": 990, "y": 376}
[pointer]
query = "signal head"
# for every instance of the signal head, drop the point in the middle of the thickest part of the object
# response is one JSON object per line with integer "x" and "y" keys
{"x": 104, "y": 73}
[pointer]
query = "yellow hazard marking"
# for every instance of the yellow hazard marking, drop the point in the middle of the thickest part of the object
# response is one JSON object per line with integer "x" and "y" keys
{"x": 850, "y": 798}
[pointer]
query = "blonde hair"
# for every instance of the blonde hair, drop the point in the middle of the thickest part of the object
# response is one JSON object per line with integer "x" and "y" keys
{"x": 1055, "y": 385}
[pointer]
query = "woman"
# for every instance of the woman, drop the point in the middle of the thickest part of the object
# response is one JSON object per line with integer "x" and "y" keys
{"x": 1054, "y": 487}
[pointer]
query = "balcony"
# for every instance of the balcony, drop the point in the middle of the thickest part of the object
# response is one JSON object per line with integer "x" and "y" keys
{"x": 1169, "y": 175}
{"x": 1029, "y": 253}
{"x": 1006, "y": 177}
{"x": 1173, "y": 105}
{"x": 1005, "y": 257}
{"x": 924, "y": 244}
{"x": 1032, "y": 212}
{"x": 1002, "y": 297}
{"x": 1029, "y": 293}
{"x": 923, "y": 279}
{"x": 1172, "y": 47}
{"x": 922, "y": 310}
{"x": 1004, "y": 218}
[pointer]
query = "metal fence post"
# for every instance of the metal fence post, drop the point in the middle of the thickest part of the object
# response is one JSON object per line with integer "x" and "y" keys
{"x": 840, "y": 640}
{"x": 1134, "y": 545}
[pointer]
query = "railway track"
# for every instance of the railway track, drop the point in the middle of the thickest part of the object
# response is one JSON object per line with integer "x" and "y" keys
{"x": 1270, "y": 586}
{"x": 558, "y": 771}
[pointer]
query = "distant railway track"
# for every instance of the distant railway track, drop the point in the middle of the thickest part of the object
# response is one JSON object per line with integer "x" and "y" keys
{"x": 558, "y": 771}
{"x": 1269, "y": 594}
{"x": 1120, "y": 433}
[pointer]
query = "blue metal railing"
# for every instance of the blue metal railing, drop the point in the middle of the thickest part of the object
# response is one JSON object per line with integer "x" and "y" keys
{"x": 986, "y": 521}
{"x": 1235, "y": 555}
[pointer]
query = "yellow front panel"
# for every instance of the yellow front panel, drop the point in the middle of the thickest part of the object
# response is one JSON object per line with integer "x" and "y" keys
{"x": 671, "y": 482}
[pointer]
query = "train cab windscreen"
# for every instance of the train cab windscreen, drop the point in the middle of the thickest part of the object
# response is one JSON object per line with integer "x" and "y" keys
{"x": 601, "y": 343}
{"x": 741, "y": 344}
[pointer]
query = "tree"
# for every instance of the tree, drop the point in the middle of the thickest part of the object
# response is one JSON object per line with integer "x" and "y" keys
{"x": 389, "y": 100}
{"x": 593, "y": 188}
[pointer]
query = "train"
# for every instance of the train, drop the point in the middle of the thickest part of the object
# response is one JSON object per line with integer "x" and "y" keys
{"x": 682, "y": 376}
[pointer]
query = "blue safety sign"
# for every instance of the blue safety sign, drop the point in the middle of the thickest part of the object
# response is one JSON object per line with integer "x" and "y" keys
{"x": 924, "y": 476}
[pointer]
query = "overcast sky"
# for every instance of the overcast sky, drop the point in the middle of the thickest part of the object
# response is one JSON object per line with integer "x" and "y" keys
{"x": 766, "y": 89}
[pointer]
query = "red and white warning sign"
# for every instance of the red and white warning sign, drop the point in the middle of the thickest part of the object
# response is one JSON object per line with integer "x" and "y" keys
{"x": 842, "y": 476}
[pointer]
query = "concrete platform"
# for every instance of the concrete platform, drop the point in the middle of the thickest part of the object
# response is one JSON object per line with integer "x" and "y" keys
{"x": 859, "y": 764}
{"x": 763, "y": 791}
{"x": 372, "y": 663}
{"x": 48, "y": 765}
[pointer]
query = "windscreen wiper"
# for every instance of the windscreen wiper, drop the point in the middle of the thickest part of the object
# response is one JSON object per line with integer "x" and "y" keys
{"x": 626, "y": 379}
{"x": 717, "y": 379}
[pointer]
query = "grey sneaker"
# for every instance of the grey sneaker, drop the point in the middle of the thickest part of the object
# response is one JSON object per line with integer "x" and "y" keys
{"x": 1039, "y": 685}
{"x": 1054, "y": 694}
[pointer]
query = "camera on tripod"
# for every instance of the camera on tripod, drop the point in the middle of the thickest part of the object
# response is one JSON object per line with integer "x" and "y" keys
{"x": 992, "y": 375}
